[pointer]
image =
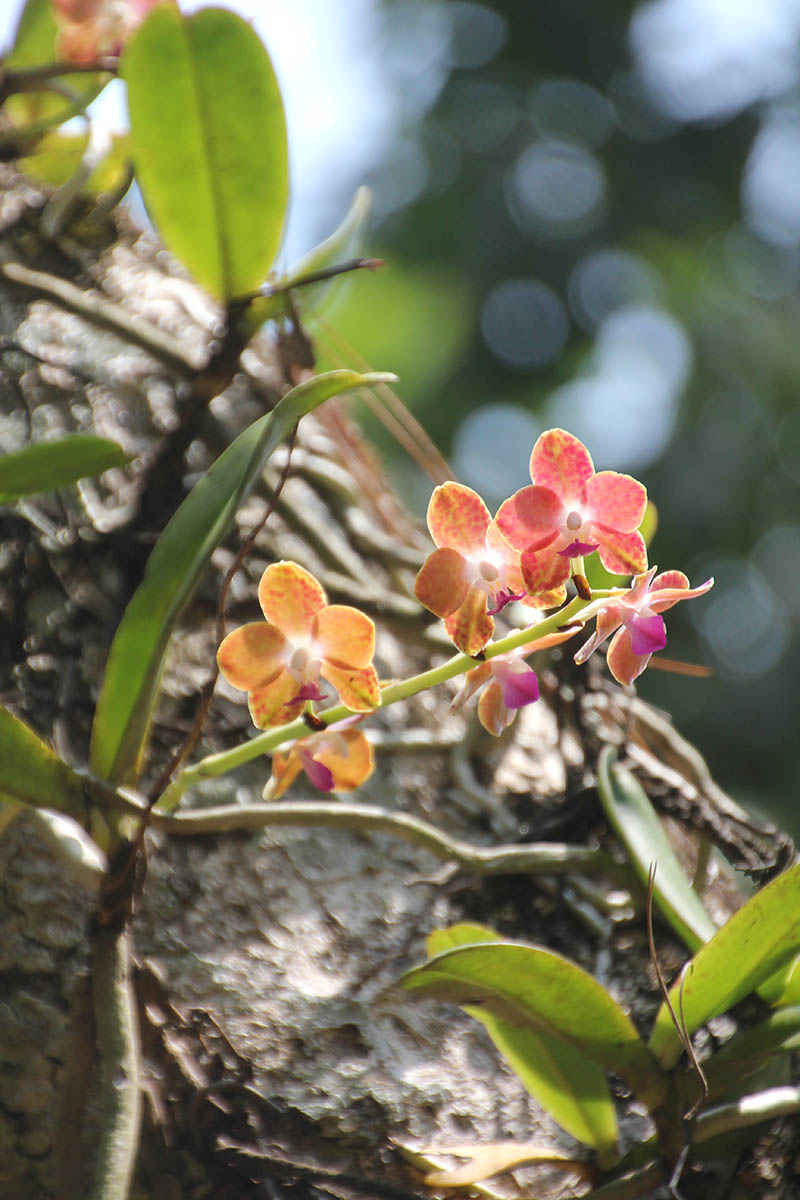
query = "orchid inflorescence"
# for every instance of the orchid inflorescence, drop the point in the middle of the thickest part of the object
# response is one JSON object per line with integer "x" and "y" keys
{"x": 526, "y": 554}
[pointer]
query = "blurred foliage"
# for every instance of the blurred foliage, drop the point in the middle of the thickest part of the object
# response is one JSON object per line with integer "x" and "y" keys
{"x": 576, "y": 236}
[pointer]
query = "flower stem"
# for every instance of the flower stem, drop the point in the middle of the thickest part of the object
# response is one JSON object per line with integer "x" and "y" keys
{"x": 264, "y": 743}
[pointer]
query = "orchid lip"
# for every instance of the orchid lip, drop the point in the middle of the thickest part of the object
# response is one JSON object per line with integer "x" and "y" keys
{"x": 578, "y": 549}
{"x": 502, "y": 599}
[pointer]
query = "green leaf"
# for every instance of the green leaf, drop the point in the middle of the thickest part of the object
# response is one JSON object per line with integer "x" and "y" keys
{"x": 59, "y": 155}
{"x": 178, "y": 560}
{"x": 572, "y": 1089}
{"x": 30, "y": 773}
{"x": 35, "y": 46}
{"x": 639, "y": 828}
{"x": 45, "y": 466}
{"x": 532, "y": 989}
{"x": 208, "y": 139}
{"x": 746, "y": 1053}
{"x": 758, "y": 939}
{"x": 344, "y": 243}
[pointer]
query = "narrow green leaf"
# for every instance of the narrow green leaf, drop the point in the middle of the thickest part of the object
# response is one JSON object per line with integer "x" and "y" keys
{"x": 30, "y": 773}
{"x": 570, "y": 1087}
{"x": 208, "y": 138}
{"x": 746, "y": 1053}
{"x": 639, "y": 828}
{"x": 344, "y": 243}
{"x": 532, "y": 989}
{"x": 179, "y": 557}
{"x": 45, "y": 466}
{"x": 758, "y": 939}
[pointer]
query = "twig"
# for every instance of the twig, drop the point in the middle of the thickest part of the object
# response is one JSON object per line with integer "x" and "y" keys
{"x": 118, "y": 1045}
{"x": 542, "y": 858}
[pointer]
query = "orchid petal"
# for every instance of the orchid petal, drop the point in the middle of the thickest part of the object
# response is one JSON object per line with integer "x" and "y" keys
{"x": 275, "y": 703}
{"x": 560, "y": 462}
{"x": 443, "y": 581}
{"x": 311, "y": 691}
{"x": 344, "y": 635}
{"x": 662, "y": 598}
{"x": 531, "y": 518}
{"x": 473, "y": 682}
{"x": 285, "y": 769}
{"x": 470, "y": 626}
{"x": 623, "y": 664}
{"x": 493, "y": 714}
{"x": 458, "y": 519}
{"x": 349, "y": 758}
{"x": 290, "y": 598}
{"x": 609, "y": 618}
{"x": 545, "y": 575}
{"x": 647, "y": 634}
{"x": 621, "y": 553}
{"x": 252, "y": 655}
{"x": 359, "y": 689}
{"x": 616, "y": 501}
{"x": 518, "y": 683}
{"x": 503, "y": 599}
{"x": 577, "y": 549}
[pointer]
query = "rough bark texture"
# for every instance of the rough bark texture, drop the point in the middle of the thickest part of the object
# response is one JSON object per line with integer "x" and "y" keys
{"x": 279, "y": 1055}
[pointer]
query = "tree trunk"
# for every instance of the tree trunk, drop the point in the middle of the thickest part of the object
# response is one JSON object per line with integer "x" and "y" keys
{"x": 279, "y": 1054}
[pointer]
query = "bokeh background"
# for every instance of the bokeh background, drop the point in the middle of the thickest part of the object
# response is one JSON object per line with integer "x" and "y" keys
{"x": 590, "y": 215}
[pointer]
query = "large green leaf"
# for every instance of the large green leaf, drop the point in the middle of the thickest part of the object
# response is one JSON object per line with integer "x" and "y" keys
{"x": 45, "y": 466}
{"x": 30, "y": 773}
{"x": 570, "y": 1087}
{"x": 179, "y": 557}
{"x": 639, "y": 829}
{"x": 751, "y": 946}
{"x": 35, "y": 46}
{"x": 530, "y": 988}
{"x": 208, "y": 139}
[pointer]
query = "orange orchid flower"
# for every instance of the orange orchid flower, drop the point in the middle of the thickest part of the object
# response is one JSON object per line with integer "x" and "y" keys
{"x": 336, "y": 759}
{"x": 473, "y": 574}
{"x": 90, "y": 29}
{"x": 279, "y": 662}
{"x": 570, "y": 511}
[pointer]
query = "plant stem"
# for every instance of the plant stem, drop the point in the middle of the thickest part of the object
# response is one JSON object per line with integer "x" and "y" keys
{"x": 264, "y": 743}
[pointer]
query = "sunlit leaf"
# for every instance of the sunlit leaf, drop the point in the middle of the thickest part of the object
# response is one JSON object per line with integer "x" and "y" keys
{"x": 178, "y": 560}
{"x": 44, "y": 466}
{"x": 530, "y": 988}
{"x": 570, "y": 1087}
{"x": 747, "y": 1052}
{"x": 344, "y": 243}
{"x": 58, "y": 156}
{"x": 495, "y": 1158}
{"x": 749, "y": 948}
{"x": 638, "y": 827}
{"x": 208, "y": 138}
{"x": 30, "y": 773}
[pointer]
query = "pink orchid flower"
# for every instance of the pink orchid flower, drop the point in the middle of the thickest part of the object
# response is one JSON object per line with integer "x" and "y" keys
{"x": 473, "y": 574}
{"x": 279, "y": 662}
{"x": 91, "y": 29}
{"x": 636, "y": 616}
{"x": 508, "y": 684}
{"x": 336, "y": 759}
{"x": 571, "y": 511}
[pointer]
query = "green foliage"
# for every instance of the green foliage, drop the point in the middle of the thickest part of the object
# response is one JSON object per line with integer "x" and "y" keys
{"x": 44, "y": 466}
{"x": 208, "y": 138}
{"x": 59, "y": 155}
{"x": 32, "y": 774}
{"x": 638, "y": 827}
{"x": 759, "y": 938}
{"x": 530, "y": 988}
{"x": 564, "y": 1081}
{"x": 179, "y": 558}
{"x": 35, "y": 46}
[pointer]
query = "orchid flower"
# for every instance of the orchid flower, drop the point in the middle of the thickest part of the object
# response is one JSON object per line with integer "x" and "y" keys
{"x": 568, "y": 512}
{"x": 473, "y": 574}
{"x": 91, "y": 29}
{"x": 279, "y": 662}
{"x": 337, "y": 759}
{"x": 636, "y": 616}
{"x": 508, "y": 684}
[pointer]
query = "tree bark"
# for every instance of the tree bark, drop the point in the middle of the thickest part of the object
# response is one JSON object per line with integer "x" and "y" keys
{"x": 278, "y": 1053}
